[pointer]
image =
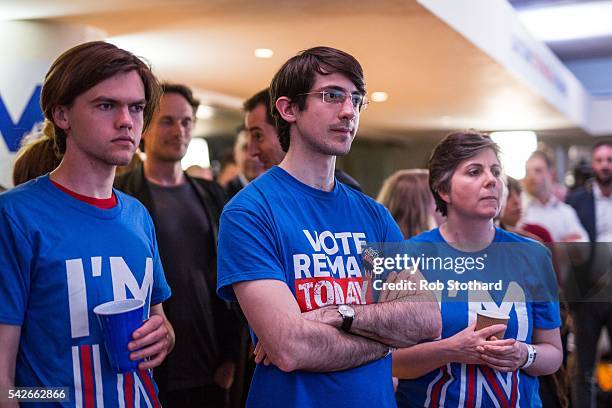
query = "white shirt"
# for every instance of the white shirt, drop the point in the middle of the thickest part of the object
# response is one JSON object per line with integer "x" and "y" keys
{"x": 558, "y": 218}
{"x": 603, "y": 215}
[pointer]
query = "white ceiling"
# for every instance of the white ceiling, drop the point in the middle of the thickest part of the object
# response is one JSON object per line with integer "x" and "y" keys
{"x": 434, "y": 77}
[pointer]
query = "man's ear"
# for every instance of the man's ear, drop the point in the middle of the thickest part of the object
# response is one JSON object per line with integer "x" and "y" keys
{"x": 286, "y": 109}
{"x": 60, "y": 117}
{"x": 445, "y": 196}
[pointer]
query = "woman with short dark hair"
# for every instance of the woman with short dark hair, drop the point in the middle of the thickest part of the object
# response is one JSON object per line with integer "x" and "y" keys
{"x": 468, "y": 367}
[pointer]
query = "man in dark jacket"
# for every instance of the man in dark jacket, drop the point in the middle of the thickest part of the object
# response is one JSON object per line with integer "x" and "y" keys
{"x": 186, "y": 213}
{"x": 593, "y": 204}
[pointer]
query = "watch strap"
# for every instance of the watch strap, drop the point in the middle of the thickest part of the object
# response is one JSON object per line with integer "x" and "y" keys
{"x": 347, "y": 322}
{"x": 531, "y": 356}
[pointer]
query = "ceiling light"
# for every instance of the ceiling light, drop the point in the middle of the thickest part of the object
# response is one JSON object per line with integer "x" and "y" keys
{"x": 205, "y": 112}
{"x": 197, "y": 154}
{"x": 516, "y": 147}
{"x": 263, "y": 53}
{"x": 379, "y": 96}
{"x": 569, "y": 21}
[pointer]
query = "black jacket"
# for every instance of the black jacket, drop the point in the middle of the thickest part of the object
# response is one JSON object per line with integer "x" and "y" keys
{"x": 583, "y": 201}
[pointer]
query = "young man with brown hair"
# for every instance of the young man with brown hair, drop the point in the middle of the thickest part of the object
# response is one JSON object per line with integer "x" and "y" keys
{"x": 69, "y": 242}
{"x": 290, "y": 247}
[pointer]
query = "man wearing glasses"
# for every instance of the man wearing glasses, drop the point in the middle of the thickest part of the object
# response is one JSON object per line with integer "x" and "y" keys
{"x": 263, "y": 142}
{"x": 290, "y": 247}
{"x": 186, "y": 213}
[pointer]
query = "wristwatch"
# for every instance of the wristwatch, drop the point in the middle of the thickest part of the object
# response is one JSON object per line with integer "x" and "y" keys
{"x": 531, "y": 356}
{"x": 347, "y": 314}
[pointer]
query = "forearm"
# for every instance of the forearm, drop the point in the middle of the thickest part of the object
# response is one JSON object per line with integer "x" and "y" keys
{"x": 548, "y": 360}
{"x": 420, "y": 359}
{"x": 319, "y": 347}
{"x": 401, "y": 323}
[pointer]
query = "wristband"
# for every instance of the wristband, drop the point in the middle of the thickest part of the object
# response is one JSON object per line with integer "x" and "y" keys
{"x": 531, "y": 356}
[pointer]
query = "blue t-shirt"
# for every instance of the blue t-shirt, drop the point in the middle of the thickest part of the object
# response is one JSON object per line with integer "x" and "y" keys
{"x": 59, "y": 258}
{"x": 279, "y": 228}
{"x": 524, "y": 270}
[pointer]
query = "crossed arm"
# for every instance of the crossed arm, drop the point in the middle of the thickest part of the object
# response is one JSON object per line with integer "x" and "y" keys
{"x": 311, "y": 341}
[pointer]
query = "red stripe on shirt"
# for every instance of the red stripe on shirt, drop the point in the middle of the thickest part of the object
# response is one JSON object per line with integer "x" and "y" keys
{"x": 471, "y": 385}
{"x": 437, "y": 388}
{"x": 128, "y": 390}
{"x": 103, "y": 203}
{"x": 87, "y": 376}
{"x": 497, "y": 390}
{"x": 148, "y": 383}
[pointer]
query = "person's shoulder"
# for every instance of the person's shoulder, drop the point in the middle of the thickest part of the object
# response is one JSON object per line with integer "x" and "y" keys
{"x": 578, "y": 196}
{"x": 432, "y": 235}
{"x": 211, "y": 187}
{"x": 131, "y": 203}
{"x": 28, "y": 192}
{"x": 507, "y": 236}
{"x": 130, "y": 181}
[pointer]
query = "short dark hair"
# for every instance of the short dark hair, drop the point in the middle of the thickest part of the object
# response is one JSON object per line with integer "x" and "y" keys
{"x": 260, "y": 98}
{"x": 447, "y": 155}
{"x": 83, "y": 67}
{"x": 600, "y": 144}
{"x": 544, "y": 156}
{"x": 297, "y": 76}
{"x": 184, "y": 91}
{"x": 513, "y": 185}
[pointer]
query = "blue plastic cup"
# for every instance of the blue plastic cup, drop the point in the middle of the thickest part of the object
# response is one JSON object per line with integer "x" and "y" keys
{"x": 119, "y": 319}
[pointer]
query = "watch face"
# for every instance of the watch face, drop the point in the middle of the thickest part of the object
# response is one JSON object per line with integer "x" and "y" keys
{"x": 346, "y": 310}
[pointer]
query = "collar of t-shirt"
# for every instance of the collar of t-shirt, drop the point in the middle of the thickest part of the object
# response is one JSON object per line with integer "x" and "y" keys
{"x": 102, "y": 203}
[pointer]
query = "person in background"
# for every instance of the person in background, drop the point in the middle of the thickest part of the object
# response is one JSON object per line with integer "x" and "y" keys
{"x": 511, "y": 217}
{"x": 463, "y": 367}
{"x": 249, "y": 166}
{"x": 186, "y": 213}
{"x": 593, "y": 204}
{"x": 36, "y": 156}
{"x": 264, "y": 143}
{"x": 69, "y": 242}
{"x": 228, "y": 168}
{"x": 407, "y": 196}
{"x": 554, "y": 389}
{"x": 543, "y": 208}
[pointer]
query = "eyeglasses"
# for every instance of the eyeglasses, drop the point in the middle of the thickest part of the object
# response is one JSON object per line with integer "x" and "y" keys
{"x": 337, "y": 96}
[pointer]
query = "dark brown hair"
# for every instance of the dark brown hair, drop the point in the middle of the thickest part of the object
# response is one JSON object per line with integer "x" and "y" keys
{"x": 447, "y": 155}
{"x": 297, "y": 76}
{"x": 83, "y": 67}
{"x": 262, "y": 97}
{"x": 184, "y": 91}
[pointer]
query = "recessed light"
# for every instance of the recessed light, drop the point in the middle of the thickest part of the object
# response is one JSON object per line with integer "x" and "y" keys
{"x": 263, "y": 53}
{"x": 379, "y": 96}
{"x": 205, "y": 112}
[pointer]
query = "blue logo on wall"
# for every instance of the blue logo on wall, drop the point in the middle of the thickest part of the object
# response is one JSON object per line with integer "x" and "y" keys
{"x": 14, "y": 132}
